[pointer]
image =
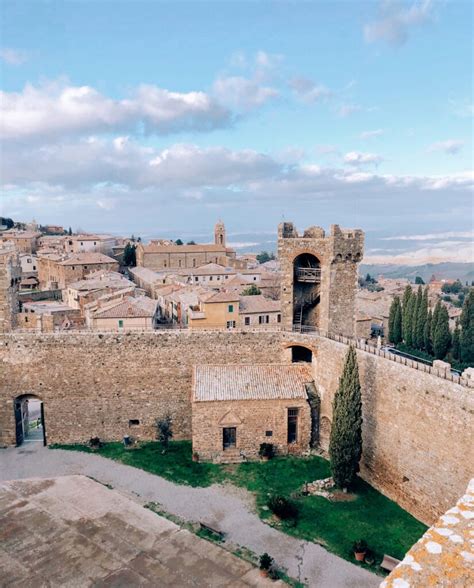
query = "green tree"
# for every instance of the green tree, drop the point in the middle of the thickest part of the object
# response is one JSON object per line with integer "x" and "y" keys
{"x": 178, "y": 242}
{"x": 427, "y": 340}
{"x": 191, "y": 243}
{"x": 345, "y": 447}
{"x": 435, "y": 318}
{"x": 442, "y": 336}
{"x": 130, "y": 255}
{"x": 419, "y": 280}
{"x": 251, "y": 290}
{"x": 164, "y": 431}
{"x": 456, "y": 344}
{"x": 407, "y": 295}
{"x": 467, "y": 332}
{"x": 421, "y": 318}
{"x": 416, "y": 308}
{"x": 69, "y": 231}
{"x": 409, "y": 314}
{"x": 264, "y": 256}
{"x": 395, "y": 322}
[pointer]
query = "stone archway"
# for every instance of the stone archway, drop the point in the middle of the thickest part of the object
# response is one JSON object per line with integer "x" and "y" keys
{"x": 29, "y": 419}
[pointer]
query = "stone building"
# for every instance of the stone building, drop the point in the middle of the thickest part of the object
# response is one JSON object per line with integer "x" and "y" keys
{"x": 57, "y": 271}
{"x": 10, "y": 276}
{"x": 236, "y": 408}
{"x": 24, "y": 241}
{"x": 319, "y": 276}
{"x": 258, "y": 311}
{"x": 161, "y": 255}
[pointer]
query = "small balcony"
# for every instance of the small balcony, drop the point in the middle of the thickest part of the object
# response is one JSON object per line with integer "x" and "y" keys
{"x": 308, "y": 274}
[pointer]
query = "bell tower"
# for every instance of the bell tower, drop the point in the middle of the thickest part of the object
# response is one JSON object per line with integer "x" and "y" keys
{"x": 319, "y": 277}
{"x": 219, "y": 233}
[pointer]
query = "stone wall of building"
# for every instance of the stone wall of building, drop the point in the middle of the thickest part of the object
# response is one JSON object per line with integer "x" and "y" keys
{"x": 94, "y": 384}
{"x": 417, "y": 428}
{"x": 252, "y": 419}
{"x": 10, "y": 275}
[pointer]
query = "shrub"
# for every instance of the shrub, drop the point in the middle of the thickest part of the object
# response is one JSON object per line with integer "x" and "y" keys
{"x": 164, "y": 431}
{"x": 265, "y": 561}
{"x": 359, "y": 546}
{"x": 95, "y": 443}
{"x": 282, "y": 507}
{"x": 266, "y": 450}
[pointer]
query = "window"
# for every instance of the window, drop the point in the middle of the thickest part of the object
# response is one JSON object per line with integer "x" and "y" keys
{"x": 231, "y": 307}
{"x": 179, "y": 262}
{"x": 247, "y": 320}
{"x": 267, "y": 318}
{"x": 120, "y": 324}
{"x": 210, "y": 279}
{"x": 194, "y": 263}
{"x": 34, "y": 268}
{"x": 231, "y": 324}
{"x": 229, "y": 437}
{"x": 254, "y": 279}
{"x": 133, "y": 422}
{"x": 268, "y": 433}
{"x": 261, "y": 319}
{"x": 278, "y": 318}
{"x": 292, "y": 425}
{"x": 196, "y": 279}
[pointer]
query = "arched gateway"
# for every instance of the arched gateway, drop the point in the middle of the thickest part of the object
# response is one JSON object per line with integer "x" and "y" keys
{"x": 29, "y": 419}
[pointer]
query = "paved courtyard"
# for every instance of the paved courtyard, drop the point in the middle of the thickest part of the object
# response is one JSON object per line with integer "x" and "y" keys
{"x": 72, "y": 531}
{"x": 229, "y": 509}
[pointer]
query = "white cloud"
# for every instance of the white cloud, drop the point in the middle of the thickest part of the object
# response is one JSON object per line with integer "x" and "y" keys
{"x": 432, "y": 236}
{"x": 461, "y": 252}
{"x": 462, "y": 108}
{"x": 56, "y": 109}
{"x": 356, "y": 158}
{"x": 242, "y": 93}
{"x": 307, "y": 91}
{"x": 396, "y": 19}
{"x": 13, "y": 56}
{"x": 347, "y": 109}
{"x": 450, "y": 146}
{"x": 371, "y": 134}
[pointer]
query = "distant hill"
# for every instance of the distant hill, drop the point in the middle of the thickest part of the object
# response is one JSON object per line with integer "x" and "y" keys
{"x": 447, "y": 271}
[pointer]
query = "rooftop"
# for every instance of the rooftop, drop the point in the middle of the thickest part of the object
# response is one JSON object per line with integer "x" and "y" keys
{"x": 258, "y": 303}
{"x": 172, "y": 248}
{"x": 128, "y": 307}
{"x": 250, "y": 382}
{"x": 91, "y": 258}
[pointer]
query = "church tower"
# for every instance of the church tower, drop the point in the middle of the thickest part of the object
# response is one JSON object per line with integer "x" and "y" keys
{"x": 319, "y": 277}
{"x": 219, "y": 234}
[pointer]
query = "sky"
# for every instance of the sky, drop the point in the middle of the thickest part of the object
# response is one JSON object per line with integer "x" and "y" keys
{"x": 158, "y": 118}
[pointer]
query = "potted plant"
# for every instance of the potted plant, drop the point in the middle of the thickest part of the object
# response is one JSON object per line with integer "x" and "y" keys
{"x": 265, "y": 564}
{"x": 266, "y": 451}
{"x": 360, "y": 549}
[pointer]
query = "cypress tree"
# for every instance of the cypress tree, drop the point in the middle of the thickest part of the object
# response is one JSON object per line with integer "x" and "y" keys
{"x": 422, "y": 317}
{"x": 456, "y": 345}
{"x": 427, "y": 340}
{"x": 435, "y": 318}
{"x": 345, "y": 447}
{"x": 416, "y": 310}
{"x": 407, "y": 294}
{"x": 409, "y": 320}
{"x": 397, "y": 322}
{"x": 467, "y": 333}
{"x": 391, "y": 320}
{"x": 442, "y": 336}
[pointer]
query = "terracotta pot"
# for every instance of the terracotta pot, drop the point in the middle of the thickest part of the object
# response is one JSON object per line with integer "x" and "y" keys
{"x": 359, "y": 555}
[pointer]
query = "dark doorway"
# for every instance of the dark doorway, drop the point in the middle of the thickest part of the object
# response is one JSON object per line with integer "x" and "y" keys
{"x": 299, "y": 353}
{"x": 229, "y": 437}
{"x": 292, "y": 425}
{"x": 29, "y": 420}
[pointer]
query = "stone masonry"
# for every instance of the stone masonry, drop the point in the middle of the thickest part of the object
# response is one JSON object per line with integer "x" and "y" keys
{"x": 328, "y": 301}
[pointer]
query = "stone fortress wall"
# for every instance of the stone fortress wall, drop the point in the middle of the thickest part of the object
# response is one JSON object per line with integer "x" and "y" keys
{"x": 417, "y": 427}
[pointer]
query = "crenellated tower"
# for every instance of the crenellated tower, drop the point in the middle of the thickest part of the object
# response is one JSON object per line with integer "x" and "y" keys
{"x": 319, "y": 277}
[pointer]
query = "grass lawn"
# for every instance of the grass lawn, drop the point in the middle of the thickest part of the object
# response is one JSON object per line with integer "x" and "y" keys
{"x": 385, "y": 526}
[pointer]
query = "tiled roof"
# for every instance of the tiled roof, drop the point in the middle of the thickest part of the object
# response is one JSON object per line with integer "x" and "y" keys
{"x": 258, "y": 303}
{"x": 199, "y": 248}
{"x": 223, "y": 297}
{"x": 250, "y": 382}
{"x": 444, "y": 556}
{"x": 129, "y": 308}
{"x": 91, "y": 258}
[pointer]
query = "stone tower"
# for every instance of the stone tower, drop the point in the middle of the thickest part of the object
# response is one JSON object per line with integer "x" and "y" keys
{"x": 319, "y": 277}
{"x": 219, "y": 233}
{"x": 10, "y": 274}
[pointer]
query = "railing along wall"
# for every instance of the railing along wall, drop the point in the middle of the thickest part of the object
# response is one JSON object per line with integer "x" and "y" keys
{"x": 417, "y": 365}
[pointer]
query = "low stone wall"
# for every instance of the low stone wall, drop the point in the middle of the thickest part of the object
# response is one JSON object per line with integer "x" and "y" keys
{"x": 94, "y": 384}
{"x": 417, "y": 428}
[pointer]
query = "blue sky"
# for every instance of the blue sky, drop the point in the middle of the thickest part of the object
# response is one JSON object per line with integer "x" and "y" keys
{"x": 159, "y": 117}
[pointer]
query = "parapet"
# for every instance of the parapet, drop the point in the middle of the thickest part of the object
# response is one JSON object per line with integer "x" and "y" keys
{"x": 287, "y": 230}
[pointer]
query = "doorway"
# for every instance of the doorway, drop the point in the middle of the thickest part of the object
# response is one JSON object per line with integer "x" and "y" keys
{"x": 29, "y": 420}
{"x": 229, "y": 437}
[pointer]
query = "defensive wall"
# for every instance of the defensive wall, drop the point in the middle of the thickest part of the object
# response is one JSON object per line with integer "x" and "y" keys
{"x": 417, "y": 430}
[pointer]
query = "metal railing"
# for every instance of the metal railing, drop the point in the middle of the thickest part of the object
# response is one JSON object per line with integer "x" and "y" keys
{"x": 308, "y": 274}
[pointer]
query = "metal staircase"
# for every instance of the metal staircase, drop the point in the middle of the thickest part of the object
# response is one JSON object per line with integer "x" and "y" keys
{"x": 301, "y": 304}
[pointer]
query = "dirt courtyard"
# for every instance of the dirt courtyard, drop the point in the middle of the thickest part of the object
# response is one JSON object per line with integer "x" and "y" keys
{"x": 73, "y": 531}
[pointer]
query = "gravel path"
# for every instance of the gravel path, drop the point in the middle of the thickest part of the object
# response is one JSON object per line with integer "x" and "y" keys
{"x": 226, "y": 508}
